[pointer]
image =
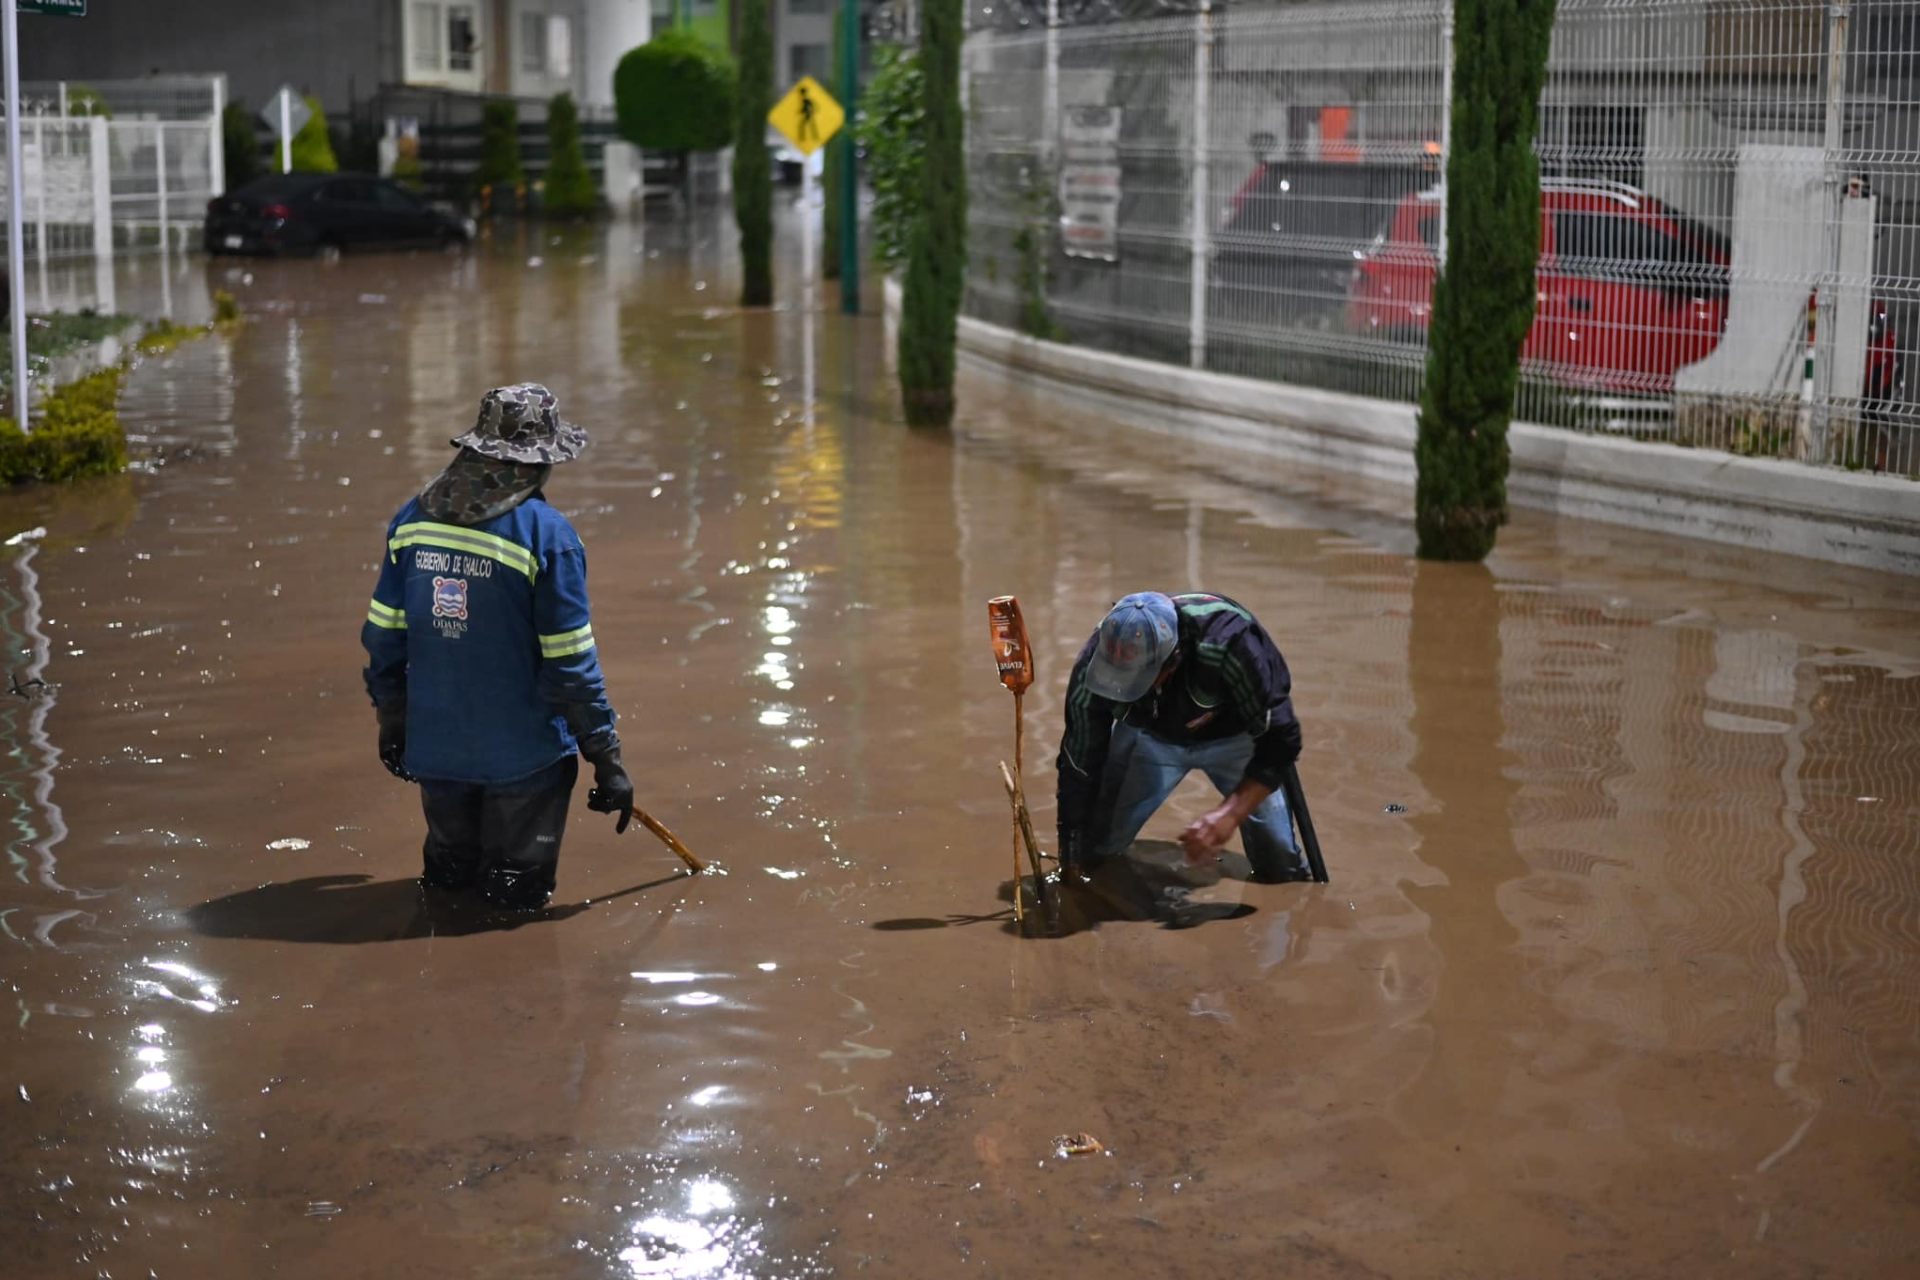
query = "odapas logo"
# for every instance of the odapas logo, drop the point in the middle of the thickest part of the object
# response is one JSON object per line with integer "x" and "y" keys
{"x": 450, "y": 598}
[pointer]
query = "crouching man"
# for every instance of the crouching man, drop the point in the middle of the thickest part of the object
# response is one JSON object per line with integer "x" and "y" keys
{"x": 1167, "y": 685}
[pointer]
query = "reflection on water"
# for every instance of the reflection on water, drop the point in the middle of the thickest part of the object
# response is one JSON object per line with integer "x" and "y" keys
{"x": 1620, "y": 960}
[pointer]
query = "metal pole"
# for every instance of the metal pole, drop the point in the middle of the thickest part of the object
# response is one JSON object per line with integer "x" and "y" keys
{"x": 1050, "y": 101}
{"x": 16, "y": 257}
{"x": 286, "y": 132}
{"x": 1202, "y": 214}
{"x": 160, "y": 187}
{"x": 40, "y": 206}
{"x": 1827, "y": 298}
{"x": 808, "y": 270}
{"x": 849, "y": 193}
{"x": 1446, "y": 126}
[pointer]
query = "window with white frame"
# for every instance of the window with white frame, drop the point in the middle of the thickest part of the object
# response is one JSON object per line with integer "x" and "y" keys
{"x": 428, "y": 50}
{"x": 533, "y": 42}
{"x": 462, "y": 37}
{"x": 560, "y": 47}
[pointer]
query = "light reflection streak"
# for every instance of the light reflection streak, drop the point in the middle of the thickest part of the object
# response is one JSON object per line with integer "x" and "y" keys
{"x": 34, "y": 643}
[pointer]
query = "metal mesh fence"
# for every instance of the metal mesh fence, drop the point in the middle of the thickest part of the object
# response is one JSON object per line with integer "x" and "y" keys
{"x": 1730, "y": 206}
{"x": 96, "y": 185}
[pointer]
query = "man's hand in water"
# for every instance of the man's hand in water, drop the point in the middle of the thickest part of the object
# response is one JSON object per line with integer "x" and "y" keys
{"x": 1206, "y": 836}
{"x": 1203, "y": 840}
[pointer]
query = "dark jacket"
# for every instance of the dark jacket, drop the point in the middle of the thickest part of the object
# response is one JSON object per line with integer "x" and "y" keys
{"x": 1230, "y": 680}
{"x": 484, "y": 630}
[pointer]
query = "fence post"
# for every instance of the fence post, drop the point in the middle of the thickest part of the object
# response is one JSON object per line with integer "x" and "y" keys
{"x": 100, "y": 159}
{"x": 1826, "y": 296}
{"x": 1050, "y": 100}
{"x": 160, "y": 186}
{"x": 217, "y": 140}
{"x": 1446, "y": 125}
{"x": 40, "y": 202}
{"x": 1202, "y": 214}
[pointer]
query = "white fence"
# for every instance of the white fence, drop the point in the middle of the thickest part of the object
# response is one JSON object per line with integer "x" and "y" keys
{"x": 138, "y": 178}
{"x": 1731, "y": 205}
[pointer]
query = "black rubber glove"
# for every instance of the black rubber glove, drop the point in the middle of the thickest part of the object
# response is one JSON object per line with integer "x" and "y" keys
{"x": 393, "y": 739}
{"x": 612, "y": 789}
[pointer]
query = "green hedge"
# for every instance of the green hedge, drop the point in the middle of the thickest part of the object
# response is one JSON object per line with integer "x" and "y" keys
{"x": 78, "y": 435}
{"x": 79, "y": 432}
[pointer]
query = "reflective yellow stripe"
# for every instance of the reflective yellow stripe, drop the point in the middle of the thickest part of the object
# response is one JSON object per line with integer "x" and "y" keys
{"x": 567, "y": 643}
{"x": 381, "y": 616}
{"x": 428, "y": 533}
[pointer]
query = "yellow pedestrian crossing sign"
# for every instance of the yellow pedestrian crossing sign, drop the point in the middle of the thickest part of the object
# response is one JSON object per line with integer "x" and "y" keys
{"x": 808, "y": 115}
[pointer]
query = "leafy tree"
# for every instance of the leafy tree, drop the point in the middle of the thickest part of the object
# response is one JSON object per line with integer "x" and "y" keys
{"x": 570, "y": 192}
{"x": 752, "y": 164}
{"x": 937, "y": 259}
{"x": 892, "y": 113}
{"x": 675, "y": 93}
{"x": 240, "y": 145}
{"x": 1481, "y": 312}
{"x": 500, "y": 168}
{"x": 312, "y": 145}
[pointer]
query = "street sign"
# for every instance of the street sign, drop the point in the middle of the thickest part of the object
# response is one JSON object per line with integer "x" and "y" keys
{"x": 58, "y": 8}
{"x": 808, "y": 116}
{"x": 286, "y": 113}
{"x": 287, "y": 110}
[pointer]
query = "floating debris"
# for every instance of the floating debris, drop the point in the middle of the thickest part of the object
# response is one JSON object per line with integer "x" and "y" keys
{"x": 1396, "y": 808}
{"x": 27, "y": 535}
{"x": 1078, "y": 1144}
{"x": 289, "y": 843}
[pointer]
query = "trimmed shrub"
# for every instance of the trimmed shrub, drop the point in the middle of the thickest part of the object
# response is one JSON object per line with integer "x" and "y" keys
{"x": 240, "y": 146}
{"x": 675, "y": 93}
{"x": 752, "y": 164}
{"x": 937, "y": 257}
{"x": 78, "y": 434}
{"x": 312, "y": 145}
{"x": 500, "y": 171}
{"x": 569, "y": 192}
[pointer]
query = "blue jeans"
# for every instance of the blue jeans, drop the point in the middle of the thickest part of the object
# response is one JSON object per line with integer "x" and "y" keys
{"x": 1142, "y": 772}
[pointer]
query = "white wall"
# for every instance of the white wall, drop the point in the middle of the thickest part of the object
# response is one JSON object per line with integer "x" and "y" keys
{"x": 612, "y": 28}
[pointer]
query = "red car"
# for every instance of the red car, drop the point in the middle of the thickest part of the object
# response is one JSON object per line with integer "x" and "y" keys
{"x": 1629, "y": 289}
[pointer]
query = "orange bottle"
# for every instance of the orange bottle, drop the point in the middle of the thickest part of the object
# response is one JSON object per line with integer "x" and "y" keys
{"x": 1010, "y": 648}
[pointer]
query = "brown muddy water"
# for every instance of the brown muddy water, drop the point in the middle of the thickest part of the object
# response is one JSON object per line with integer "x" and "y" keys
{"x": 1618, "y": 975}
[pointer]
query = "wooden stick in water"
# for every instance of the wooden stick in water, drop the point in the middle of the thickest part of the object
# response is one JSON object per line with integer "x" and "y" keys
{"x": 1024, "y": 821}
{"x": 669, "y": 839}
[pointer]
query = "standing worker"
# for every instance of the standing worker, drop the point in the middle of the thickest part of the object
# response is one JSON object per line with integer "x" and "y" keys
{"x": 482, "y": 668}
{"x": 1167, "y": 685}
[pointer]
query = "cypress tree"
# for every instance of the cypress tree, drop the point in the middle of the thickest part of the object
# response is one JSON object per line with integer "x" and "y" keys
{"x": 752, "y": 165}
{"x": 1483, "y": 301}
{"x": 312, "y": 150}
{"x": 936, "y": 263}
{"x": 570, "y": 192}
{"x": 836, "y": 159}
{"x": 500, "y": 173}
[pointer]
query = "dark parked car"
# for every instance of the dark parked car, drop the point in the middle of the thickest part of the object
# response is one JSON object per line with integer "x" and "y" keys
{"x": 310, "y": 212}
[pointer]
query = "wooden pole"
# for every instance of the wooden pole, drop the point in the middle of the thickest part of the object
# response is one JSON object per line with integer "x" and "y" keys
{"x": 1019, "y": 742}
{"x": 1014, "y": 657}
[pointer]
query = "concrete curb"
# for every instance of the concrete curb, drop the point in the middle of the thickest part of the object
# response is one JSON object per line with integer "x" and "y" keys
{"x": 1845, "y": 517}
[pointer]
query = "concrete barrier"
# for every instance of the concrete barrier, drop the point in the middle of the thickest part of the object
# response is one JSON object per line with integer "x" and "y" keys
{"x": 1869, "y": 521}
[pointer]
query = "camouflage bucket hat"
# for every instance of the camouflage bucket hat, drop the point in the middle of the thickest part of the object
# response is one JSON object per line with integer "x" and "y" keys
{"x": 522, "y": 423}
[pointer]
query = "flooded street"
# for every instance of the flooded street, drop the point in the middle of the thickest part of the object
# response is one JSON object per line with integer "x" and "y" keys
{"x": 1618, "y": 973}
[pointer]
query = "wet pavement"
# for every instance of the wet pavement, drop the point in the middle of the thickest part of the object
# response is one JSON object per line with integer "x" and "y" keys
{"x": 1618, "y": 975}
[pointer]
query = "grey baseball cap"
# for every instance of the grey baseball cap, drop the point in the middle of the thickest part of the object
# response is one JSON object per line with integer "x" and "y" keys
{"x": 1137, "y": 637}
